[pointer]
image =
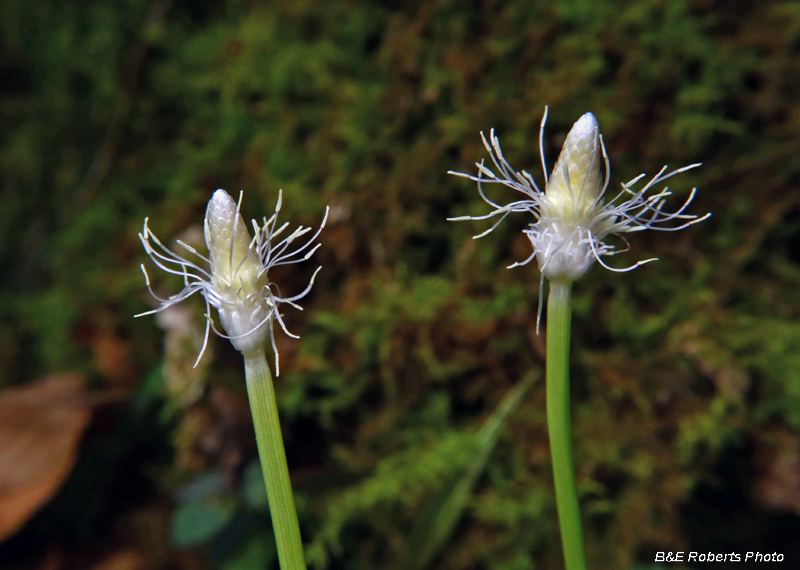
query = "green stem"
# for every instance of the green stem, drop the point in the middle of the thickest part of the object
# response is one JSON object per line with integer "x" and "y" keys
{"x": 559, "y": 312}
{"x": 273, "y": 461}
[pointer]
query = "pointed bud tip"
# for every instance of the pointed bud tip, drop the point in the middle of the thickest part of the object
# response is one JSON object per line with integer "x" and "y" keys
{"x": 221, "y": 209}
{"x": 223, "y": 223}
{"x": 575, "y": 185}
{"x": 220, "y": 198}
{"x": 585, "y": 127}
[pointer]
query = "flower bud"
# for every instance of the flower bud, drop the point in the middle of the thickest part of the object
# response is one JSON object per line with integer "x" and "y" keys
{"x": 236, "y": 282}
{"x": 571, "y": 218}
{"x": 237, "y": 275}
{"x": 573, "y": 197}
{"x": 575, "y": 185}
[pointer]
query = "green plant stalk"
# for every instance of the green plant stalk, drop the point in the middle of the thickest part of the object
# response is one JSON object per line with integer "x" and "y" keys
{"x": 559, "y": 313}
{"x": 273, "y": 461}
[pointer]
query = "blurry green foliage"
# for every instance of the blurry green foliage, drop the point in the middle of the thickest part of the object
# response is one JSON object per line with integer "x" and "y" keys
{"x": 110, "y": 112}
{"x": 257, "y": 553}
{"x": 236, "y": 529}
{"x": 195, "y": 522}
{"x": 253, "y": 491}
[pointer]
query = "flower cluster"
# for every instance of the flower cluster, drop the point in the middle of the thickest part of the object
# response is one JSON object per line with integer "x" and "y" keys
{"x": 572, "y": 217}
{"x": 236, "y": 282}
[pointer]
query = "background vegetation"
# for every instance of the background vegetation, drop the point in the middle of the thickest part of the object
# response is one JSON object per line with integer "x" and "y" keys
{"x": 686, "y": 372}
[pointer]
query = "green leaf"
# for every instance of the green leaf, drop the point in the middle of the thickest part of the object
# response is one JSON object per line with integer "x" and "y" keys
{"x": 443, "y": 513}
{"x": 254, "y": 492}
{"x": 258, "y": 553}
{"x": 196, "y": 522}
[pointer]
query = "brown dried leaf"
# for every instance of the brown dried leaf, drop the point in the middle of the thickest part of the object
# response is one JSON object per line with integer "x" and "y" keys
{"x": 112, "y": 357}
{"x": 777, "y": 479}
{"x": 40, "y": 428}
{"x": 124, "y": 560}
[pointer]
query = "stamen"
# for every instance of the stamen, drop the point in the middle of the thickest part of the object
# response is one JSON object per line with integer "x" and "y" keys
{"x": 239, "y": 295}
{"x": 572, "y": 228}
{"x": 541, "y": 155}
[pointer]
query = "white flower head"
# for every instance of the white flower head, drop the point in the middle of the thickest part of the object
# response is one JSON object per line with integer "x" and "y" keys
{"x": 572, "y": 217}
{"x": 236, "y": 282}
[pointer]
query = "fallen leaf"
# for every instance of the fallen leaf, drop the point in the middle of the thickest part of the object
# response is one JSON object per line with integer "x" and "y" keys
{"x": 40, "y": 427}
{"x": 125, "y": 560}
{"x": 776, "y": 482}
{"x": 53, "y": 560}
{"x": 112, "y": 357}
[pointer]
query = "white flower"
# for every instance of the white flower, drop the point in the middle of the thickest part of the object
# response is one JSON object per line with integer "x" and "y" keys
{"x": 236, "y": 282}
{"x": 571, "y": 216}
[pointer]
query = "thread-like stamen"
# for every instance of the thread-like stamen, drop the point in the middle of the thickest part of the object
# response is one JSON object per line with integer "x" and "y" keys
{"x": 541, "y": 145}
{"x": 242, "y": 303}
{"x": 572, "y": 229}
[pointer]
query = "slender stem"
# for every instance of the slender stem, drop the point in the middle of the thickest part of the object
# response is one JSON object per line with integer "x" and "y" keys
{"x": 559, "y": 312}
{"x": 273, "y": 461}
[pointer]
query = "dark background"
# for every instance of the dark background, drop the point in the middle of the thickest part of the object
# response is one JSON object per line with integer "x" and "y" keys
{"x": 116, "y": 455}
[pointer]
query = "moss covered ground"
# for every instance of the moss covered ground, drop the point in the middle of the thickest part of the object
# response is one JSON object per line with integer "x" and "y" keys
{"x": 686, "y": 372}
